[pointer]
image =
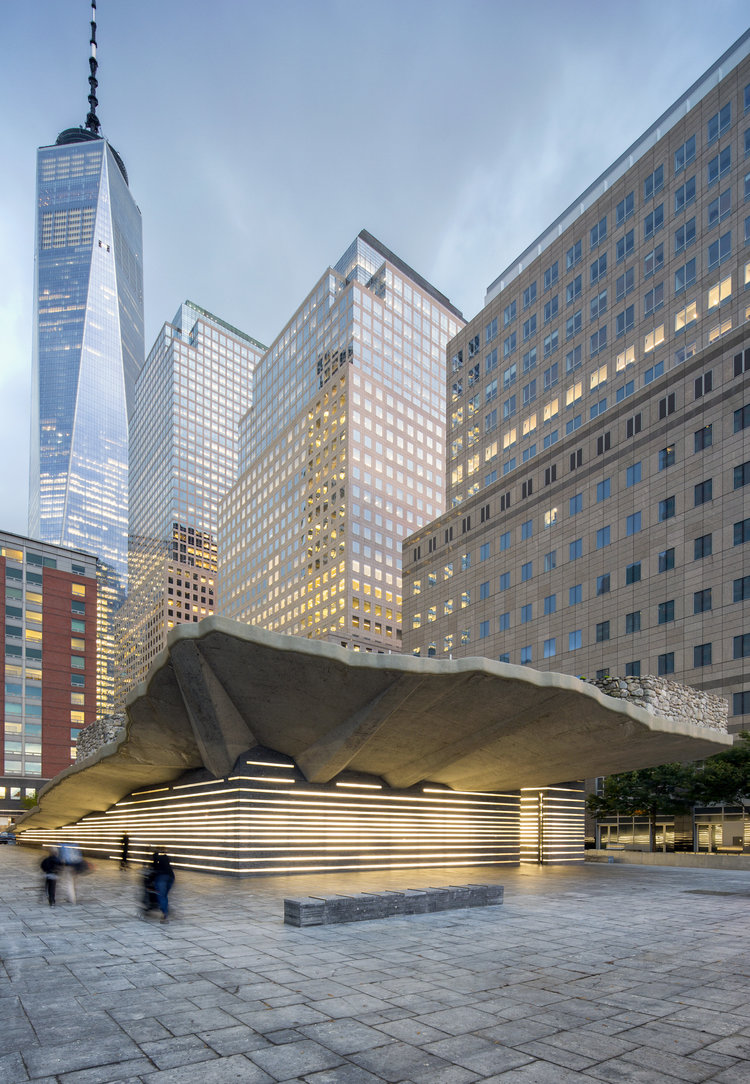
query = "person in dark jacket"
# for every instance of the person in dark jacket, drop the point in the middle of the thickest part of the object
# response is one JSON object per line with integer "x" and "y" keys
{"x": 50, "y": 866}
{"x": 162, "y": 881}
{"x": 124, "y": 851}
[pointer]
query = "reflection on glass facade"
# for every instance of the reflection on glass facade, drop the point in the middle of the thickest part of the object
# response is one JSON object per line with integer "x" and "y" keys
{"x": 88, "y": 350}
{"x": 341, "y": 455}
{"x": 192, "y": 391}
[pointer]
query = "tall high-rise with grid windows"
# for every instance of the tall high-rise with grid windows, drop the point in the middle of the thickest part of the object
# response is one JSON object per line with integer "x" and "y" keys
{"x": 340, "y": 456}
{"x": 87, "y": 352}
{"x": 195, "y": 385}
{"x": 598, "y": 415}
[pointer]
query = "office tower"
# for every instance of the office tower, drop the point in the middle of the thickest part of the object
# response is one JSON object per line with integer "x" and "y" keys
{"x": 49, "y": 651}
{"x": 88, "y": 349}
{"x": 341, "y": 455}
{"x": 598, "y": 419}
{"x": 195, "y": 385}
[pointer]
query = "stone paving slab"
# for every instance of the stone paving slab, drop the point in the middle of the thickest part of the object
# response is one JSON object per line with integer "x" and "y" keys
{"x": 637, "y": 974}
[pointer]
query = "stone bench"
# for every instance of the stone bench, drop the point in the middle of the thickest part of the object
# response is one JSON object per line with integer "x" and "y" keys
{"x": 323, "y": 910}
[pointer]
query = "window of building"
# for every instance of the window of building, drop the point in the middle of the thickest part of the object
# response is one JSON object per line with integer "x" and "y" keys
{"x": 550, "y": 604}
{"x": 526, "y": 655}
{"x": 603, "y": 443}
{"x": 529, "y": 295}
{"x": 504, "y": 582}
{"x": 573, "y": 255}
{"x": 633, "y": 474}
{"x": 684, "y": 236}
{"x": 551, "y": 309}
{"x": 625, "y": 246}
{"x": 719, "y": 123}
{"x": 719, "y": 208}
{"x": 625, "y": 320}
{"x": 550, "y": 560}
{"x": 625, "y": 208}
{"x": 684, "y": 277}
{"x": 633, "y": 622}
{"x": 741, "y": 703}
{"x": 573, "y": 325}
{"x": 702, "y": 655}
{"x": 598, "y": 269}
{"x": 702, "y": 547}
{"x": 742, "y": 532}
{"x": 666, "y": 509}
{"x": 666, "y": 560}
{"x": 598, "y": 233}
{"x": 703, "y": 438}
{"x": 603, "y": 490}
{"x": 703, "y": 492}
{"x": 653, "y": 299}
{"x": 526, "y": 613}
{"x": 719, "y": 166}
{"x": 634, "y": 425}
{"x": 598, "y": 305}
{"x": 484, "y": 589}
{"x": 509, "y": 315}
{"x": 624, "y": 284}
{"x": 505, "y": 540}
{"x": 603, "y": 584}
{"x": 573, "y": 290}
{"x": 665, "y": 664}
{"x": 576, "y": 548}
{"x": 741, "y": 589}
{"x": 741, "y": 646}
{"x": 633, "y": 573}
{"x": 667, "y": 405}
{"x": 484, "y": 629}
{"x": 719, "y": 251}
{"x": 702, "y": 601}
{"x": 602, "y": 537}
{"x": 653, "y": 183}
{"x": 575, "y": 639}
{"x": 602, "y": 632}
{"x": 666, "y": 612}
{"x": 633, "y": 523}
{"x": 742, "y": 475}
{"x": 684, "y": 195}
{"x": 684, "y": 155}
{"x": 653, "y": 222}
{"x": 550, "y": 647}
{"x": 653, "y": 260}
{"x": 527, "y": 571}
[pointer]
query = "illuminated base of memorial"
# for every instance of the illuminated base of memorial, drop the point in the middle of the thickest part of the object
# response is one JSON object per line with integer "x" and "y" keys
{"x": 266, "y": 818}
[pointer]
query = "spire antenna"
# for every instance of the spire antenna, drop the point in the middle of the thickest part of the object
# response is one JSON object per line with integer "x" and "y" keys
{"x": 92, "y": 121}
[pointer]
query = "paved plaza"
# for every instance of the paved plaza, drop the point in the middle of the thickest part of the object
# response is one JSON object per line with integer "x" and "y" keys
{"x": 601, "y": 972}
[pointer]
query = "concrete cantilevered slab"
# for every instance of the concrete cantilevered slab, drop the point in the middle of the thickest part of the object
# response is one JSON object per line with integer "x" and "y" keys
{"x": 222, "y": 687}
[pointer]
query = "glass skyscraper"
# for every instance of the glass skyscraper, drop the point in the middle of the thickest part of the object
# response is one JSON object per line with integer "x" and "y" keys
{"x": 196, "y": 384}
{"x": 88, "y": 347}
{"x": 87, "y": 352}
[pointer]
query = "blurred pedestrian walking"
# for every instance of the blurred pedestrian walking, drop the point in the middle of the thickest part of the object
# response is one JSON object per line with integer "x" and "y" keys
{"x": 163, "y": 880}
{"x": 50, "y": 867}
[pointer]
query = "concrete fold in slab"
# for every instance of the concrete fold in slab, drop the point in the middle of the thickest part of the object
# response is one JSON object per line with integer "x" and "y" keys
{"x": 470, "y": 724}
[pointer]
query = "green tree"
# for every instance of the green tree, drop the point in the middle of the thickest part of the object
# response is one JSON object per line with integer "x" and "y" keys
{"x": 724, "y": 779}
{"x": 650, "y": 792}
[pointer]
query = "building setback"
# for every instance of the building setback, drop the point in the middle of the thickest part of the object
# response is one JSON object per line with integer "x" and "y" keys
{"x": 195, "y": 385}
{"x": 49, "y": 642}
{"x": 598, "y": 419}
{"x": 87, "y": 352}
{"x": 341, "y": 455}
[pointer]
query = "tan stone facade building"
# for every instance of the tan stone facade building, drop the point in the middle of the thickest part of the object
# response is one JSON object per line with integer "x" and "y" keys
{"x": 341, "y": 455}
{"x": 598, "y": 445}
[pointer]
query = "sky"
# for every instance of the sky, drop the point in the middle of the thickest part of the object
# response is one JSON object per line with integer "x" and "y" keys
{"x": 260, "y": 138}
